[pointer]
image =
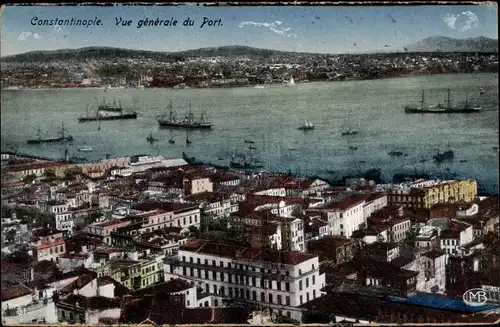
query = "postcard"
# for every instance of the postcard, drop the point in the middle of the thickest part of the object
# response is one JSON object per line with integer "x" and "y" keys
{"x": 250, "y": 164}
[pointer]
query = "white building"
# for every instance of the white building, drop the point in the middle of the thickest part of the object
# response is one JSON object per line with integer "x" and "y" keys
{"x": 434, "y": 263}
{"x": 274, "y": 279}
{"x": 345, "y": 216}
{"x": 374, "y": 202}
{"x": 455, "y": 237}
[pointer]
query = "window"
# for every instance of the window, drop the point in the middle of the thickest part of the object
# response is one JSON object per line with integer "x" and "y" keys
{"x": 254, "y": 295}
{"x": 301, "y": 300}
{"x": 198, "y": 261}
{"x": 313, "y": 279}
{"x": 279, "y": 299}
{"x": 314, "y": 294}
{"x": 287, "y": 286}
{"x": 307, "y": 282}
{"x": 270, "y": 298}
{"x": 262, "y": 297}
{"x": 300, "y": 286}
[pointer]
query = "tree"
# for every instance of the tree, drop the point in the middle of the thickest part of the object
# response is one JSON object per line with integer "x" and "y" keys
{"x": 49, "y": 173}
{"x": 29, "y": 179}
{"x": 194, "y": 231}
{"x": 411, "y": 237}
{"x": 10, "y": 235}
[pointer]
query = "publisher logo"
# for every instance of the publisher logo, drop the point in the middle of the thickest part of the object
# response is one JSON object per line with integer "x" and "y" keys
{"x": 475, "y": 297}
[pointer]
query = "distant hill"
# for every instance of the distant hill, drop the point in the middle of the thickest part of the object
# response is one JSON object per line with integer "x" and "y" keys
{"x": 447, "y": 44}
{"x": 430, "y": 44}
{"x": 110, "y": 53}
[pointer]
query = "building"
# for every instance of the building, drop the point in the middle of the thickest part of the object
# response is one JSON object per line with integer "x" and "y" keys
{"x": 345, "y": 216}
{"x": 425, "y": 194}
{"x": 275, "y": 279}
{"x": 455, "y": 237}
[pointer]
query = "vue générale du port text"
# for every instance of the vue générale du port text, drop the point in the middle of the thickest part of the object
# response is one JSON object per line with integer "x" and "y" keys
{"x": 124, "y": 22}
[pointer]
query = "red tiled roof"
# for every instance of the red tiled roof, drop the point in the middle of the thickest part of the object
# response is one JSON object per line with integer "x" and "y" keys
{"x": 345, "y": 203}
{"x": 111, "y": 223}
{"x": 235, "y": 252}
{"x": 14, "y": 292}
{"x": 46, "y": 245}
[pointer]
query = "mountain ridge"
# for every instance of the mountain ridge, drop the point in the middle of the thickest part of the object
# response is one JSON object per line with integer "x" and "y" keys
{"x": 429, "y": 44}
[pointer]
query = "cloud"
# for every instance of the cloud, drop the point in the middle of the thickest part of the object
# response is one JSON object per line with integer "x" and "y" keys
{"x": 26, "y": 35}
{"x": 274, "y": 27}
{"x": 463, "y": 22}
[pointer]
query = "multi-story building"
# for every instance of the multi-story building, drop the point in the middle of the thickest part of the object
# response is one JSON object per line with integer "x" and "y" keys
{"x": 48, "y": 245}
{"x": 425, "y": 194}
{"x": 273, "y": 279}
{"x": 345, "y": 216}
{"x": 455, "y": 237}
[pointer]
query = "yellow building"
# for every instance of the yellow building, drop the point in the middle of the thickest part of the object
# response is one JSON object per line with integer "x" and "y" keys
{"x": 136, "y": 274}
{"x": 428, "y": 193}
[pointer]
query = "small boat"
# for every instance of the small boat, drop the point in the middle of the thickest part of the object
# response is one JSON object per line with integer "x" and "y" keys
{"x": 249, "y": 141}
{"x": 395, "y": 153}
{"x": 291, "y": 149}
{"x": 362, "y": 161}
{"x": 307, "y": 126}
{"x": 171, "y": 141}
{"x": 220, "y": 158}
{"x": 259, "y": 87}
{"x": 447, "y": 155}
{"x": 353, "y": 148}
{"x": 350, "y": 132}
{"x": 463, "y": 160}
{"x": 252, "y": 148}
{"x": 481, "y": 91}
{"x": 495, "y": 148}
{"x": 151, "y": 139}
{"x": 85, "y": 149}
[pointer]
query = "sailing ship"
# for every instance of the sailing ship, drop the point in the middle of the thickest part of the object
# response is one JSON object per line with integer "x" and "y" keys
{"x": 63, "y": 137}
{"x": 100, "y": 115}
{"x": 150, "y": 138}
{"x": 444, "y": 109}
{"x": 189, "y": 122}
{"x": 105, "y": 106}
{"x": 307, "y": 126}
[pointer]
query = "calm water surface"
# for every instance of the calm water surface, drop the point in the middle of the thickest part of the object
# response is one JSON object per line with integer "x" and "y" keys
{"x": 270, "y": 118}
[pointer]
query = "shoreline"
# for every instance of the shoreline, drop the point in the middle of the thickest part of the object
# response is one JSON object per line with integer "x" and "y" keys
{"x": 283, "y": 84}
{"x": 334, "y": 181}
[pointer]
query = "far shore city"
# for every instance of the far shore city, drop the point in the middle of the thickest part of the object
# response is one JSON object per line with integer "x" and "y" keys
{"x": 279, "y": 165}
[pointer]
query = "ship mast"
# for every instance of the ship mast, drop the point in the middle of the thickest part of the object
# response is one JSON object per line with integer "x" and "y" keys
{"x": 422, "y": 101}
{"x": 449, "y": 99}
{"x": 170, "y": 106}
{"x": 62, "y": 130}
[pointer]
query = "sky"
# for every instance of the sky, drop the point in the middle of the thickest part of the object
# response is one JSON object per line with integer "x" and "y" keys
{"x": 321, "y": 29}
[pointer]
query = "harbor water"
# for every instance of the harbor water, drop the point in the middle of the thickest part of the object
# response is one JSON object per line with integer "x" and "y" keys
{"x": 270, "y": 117}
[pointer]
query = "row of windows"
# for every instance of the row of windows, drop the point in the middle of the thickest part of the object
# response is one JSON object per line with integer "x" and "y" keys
{"x": 246, "y": 294}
